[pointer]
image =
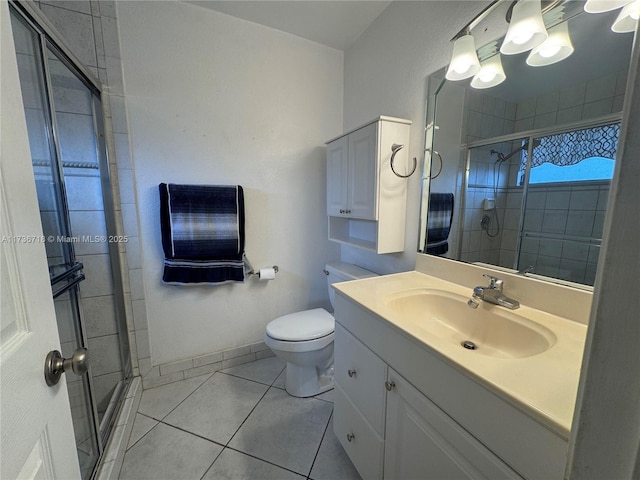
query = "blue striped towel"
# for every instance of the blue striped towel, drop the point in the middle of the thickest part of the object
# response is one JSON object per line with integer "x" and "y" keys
{"x": 202, "y": 233}
{"x": 439, "y": 223}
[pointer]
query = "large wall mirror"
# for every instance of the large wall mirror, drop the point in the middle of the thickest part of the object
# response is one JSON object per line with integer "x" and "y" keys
{"x": 520, "y": 172}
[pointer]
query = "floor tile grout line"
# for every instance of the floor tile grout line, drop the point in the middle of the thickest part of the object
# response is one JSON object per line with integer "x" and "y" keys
{"x": 266, "y": 461}
{"x": 248, "y": 379}
{"x": 278, "y": 376}
{"x": 192, "y": 433}
{"x": 324, "y": 434}
{"x": 247, "y": 417}
{"x": 184, "y": 399}
{"x": 214, "y": 461}
{"x": 148, "y": 416}
{"x": 138, "y": 441}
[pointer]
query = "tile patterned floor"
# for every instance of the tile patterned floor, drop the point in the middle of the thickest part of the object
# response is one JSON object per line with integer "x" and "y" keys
{"x": 238, "y": 423}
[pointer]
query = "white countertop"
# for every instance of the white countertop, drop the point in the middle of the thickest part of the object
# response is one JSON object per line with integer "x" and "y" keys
{"x": 543, "y": 385}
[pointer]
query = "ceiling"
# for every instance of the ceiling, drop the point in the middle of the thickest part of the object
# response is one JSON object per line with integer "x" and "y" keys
{"x": 336, "y": 24}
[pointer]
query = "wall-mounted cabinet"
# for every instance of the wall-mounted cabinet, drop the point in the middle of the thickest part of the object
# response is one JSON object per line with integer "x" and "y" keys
{"x": 366, "y": 201}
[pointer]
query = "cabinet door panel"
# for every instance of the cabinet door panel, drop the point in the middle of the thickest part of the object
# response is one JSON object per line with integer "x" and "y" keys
{"x": 360, "y": 441}
{"x": 337, "y": 176}
{"x": 361, "y": 374}
{"x": 363, "y": 172}
{"x": 423, "y": 442}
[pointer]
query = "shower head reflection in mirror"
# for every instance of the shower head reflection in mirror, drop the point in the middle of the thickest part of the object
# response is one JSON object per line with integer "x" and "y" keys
{"x": 502, "y": 150}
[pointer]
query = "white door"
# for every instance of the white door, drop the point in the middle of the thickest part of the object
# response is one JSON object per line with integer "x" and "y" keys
{"x": 36, "y": 439}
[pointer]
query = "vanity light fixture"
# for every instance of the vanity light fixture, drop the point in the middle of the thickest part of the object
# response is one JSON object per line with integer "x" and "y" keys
{"x": 627, "y": 20}
{"x": 526, "y": 28}
{"x": 599, "y": 6}
{"x": 464, "y": 60}
{"x": 555, "y": 48}
{"x": 491, "y": 73}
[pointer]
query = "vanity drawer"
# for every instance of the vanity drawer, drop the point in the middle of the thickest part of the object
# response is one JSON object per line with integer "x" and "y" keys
{"x": 361, "y": 375}
{"x": 360, "y": 441}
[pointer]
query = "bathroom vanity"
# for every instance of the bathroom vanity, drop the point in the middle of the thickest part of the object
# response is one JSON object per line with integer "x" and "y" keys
{"x": 412, "y": 402}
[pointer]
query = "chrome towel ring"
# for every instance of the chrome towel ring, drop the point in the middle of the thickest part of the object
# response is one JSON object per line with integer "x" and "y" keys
{"x": 439, "y": 169}
{"x": 395, "y": 148}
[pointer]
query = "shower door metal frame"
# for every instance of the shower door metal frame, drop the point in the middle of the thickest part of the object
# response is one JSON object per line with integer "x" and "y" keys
{"x": 50, "y": 39}
{"x": 524, "y": 135}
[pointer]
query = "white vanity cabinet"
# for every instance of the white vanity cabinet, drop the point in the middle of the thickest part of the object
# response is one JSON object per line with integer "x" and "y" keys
{"x": 403, "y": 413}
{"x": 421, "y": 441}
{"x": 366, "y": 201}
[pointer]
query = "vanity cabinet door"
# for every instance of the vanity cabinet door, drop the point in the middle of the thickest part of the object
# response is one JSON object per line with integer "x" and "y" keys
{"x": 362, "y": 444}
{"x": 421, "y": 441}
{"x": 363, "y": 172}
{"x": 337, "y": 176}
{"x": 361, "y": 375}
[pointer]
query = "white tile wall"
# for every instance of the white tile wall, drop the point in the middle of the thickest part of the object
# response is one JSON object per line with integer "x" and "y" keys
{"x": 576, "y": 211}
{"x": 586, "y": 100}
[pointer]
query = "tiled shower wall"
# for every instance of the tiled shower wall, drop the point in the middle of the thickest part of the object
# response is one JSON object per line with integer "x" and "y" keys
{"x": 89, "y": 30}
{"x": 485, "y": 117}
{"x": 576, "y": 212}
{"x": 569, "y": 214}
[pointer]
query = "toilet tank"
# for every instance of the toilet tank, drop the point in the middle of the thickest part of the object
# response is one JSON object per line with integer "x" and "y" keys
{"x": 341, "y": 272}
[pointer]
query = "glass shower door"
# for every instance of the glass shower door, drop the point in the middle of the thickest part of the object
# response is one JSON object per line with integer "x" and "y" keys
{"x": 65, "y": 272}
{"x": 76, "y": 113}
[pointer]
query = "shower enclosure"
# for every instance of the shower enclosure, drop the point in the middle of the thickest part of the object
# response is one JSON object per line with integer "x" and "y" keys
{"x": 536, "y": 203}
{"x": 66, "y": 136}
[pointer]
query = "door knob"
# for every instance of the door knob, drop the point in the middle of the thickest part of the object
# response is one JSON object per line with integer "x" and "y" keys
{"x": 55, "y": 365}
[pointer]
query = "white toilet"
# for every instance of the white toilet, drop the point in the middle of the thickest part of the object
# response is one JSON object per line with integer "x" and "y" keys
{"x": 305, "y": 339}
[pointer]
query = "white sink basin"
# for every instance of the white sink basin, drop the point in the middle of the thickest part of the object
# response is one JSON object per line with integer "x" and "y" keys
{"x": 493, "y": 330}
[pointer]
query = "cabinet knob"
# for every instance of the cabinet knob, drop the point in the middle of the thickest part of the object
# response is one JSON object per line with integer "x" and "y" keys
{"x": 350, "y": 437}
{"x": 347, "y": 211}
{"x": 389, "y": 386}
{"x": 351, "y": 373}
{"x": 342, "y": 210}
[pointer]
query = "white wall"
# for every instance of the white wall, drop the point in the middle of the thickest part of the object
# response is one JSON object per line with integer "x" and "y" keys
{"x": 216, "y": 100}
{"x": 385, "y": 73}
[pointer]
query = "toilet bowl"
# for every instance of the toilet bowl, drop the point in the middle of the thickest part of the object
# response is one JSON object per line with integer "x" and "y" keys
{"x": 305, "y": 339}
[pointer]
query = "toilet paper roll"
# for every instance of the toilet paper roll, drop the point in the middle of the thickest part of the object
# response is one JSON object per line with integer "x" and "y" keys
{"x": 267, "y": 274}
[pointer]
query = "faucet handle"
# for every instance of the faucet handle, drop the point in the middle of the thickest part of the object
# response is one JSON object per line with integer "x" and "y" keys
{"x": 494, "y": 282}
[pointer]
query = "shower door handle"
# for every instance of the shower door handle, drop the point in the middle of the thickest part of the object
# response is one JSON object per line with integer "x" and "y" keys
{"x": 55, "y": 365}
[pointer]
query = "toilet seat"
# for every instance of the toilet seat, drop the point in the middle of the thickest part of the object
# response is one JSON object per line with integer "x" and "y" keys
{"x": 299, "y": 346}
{"x": 302, "y": 326}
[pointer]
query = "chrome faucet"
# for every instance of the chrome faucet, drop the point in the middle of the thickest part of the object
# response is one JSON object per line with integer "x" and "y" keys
{"x": 492, "y": 294}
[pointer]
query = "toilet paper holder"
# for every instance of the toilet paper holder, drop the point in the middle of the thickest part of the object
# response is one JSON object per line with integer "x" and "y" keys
{"x": 252, "y": 272}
